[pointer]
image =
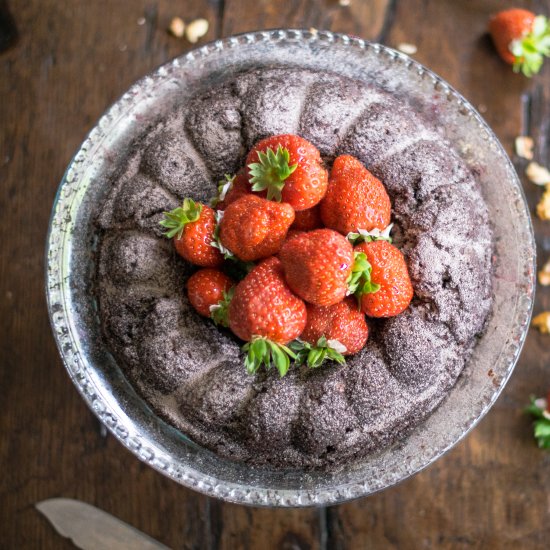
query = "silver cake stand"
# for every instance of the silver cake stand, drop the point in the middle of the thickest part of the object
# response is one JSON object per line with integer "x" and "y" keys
{"x": 70, "y": 266}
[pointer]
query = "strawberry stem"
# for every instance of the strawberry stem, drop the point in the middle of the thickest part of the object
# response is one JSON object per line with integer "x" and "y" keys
{"x": 223, "y": 188}
{"x": 359, "y": 281}
{"x": 530, "y": 51}
{"x": 176, "y": 220}
{"x": 262, "y": 351}
{"x": 315, "y": 356}
{"x": 271, "y": 172}
{"x": 541, "y": 423}
{"x": 219, "y": 312}
{"x": 364, "y": 236}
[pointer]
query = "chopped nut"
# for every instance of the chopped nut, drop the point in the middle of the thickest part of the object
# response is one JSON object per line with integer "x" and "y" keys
{"x": 544, "y": 274}
{"x": 524, "y": 147}
{"x": 196, "y": 29}
{"x": 344, "y": 2}
{"x": 537, "y": 174}
{"x": 543, "y": 207}
{"x": 542, "y": 322}
{"x": 177, "y": 27}
{"x": 409, "y": 49}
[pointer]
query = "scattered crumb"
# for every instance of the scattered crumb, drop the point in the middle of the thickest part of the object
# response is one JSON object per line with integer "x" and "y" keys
{"x": 482, "y": 108}
{"x": 344, "y": 2}
{"x": 196, "y": 29}
{"x": 123, "y": 47}
{"x": 177, "y": 27}
{"x": 542, "y": 322}
{"x": 544, "y": 274}
{"x": 313, "y": 31}
{"x": 537, "y": 174}
{"x": 524, "y": 147}
{"x": 141, "y": 21}
{"x": 543, "y": 207}
{"x": 409, "y": 49}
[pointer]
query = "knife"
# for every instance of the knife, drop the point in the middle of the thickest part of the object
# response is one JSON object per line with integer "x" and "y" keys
{"x": 93, "y": 529}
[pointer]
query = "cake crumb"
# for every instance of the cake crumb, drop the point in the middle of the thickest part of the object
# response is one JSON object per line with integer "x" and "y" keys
{"x": 177, "y": 27}
{"x": 537, "y": 174}
{"x": 543, "y": 207}
{"x": 344, "y": 3}
{"x": 141, "y": 21}
{"x": 196, "y": 29}
{"x": 313, "y": 31}
{"x": 524, "y": 147}
{"x": 482, "y": 108}
{"x": 407, "y": 48}
{"x": 542, "y": 322}
{"x": 544, "y": 274}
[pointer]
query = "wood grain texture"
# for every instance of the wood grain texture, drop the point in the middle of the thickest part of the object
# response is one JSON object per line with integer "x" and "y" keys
{"x": 72, "y": 59}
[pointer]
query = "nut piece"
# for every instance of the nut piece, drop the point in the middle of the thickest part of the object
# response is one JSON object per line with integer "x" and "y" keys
{"x": 543, "y": 207}
{"x": 537, "y": 174}
{"x": 407, "y": 48}
{"x": 196, "y": 29}
{"x": 177, "y": 27}
{"x": 542, "y": 322}
{"x": 524, "y": 147}
{"x": 544, "y": 274}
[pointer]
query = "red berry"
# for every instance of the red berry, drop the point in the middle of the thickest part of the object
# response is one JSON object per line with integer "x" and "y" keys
{"x": 355, "y": 199}
{"x": 192, "y": 226}
{"x": 288, "y": 168}
{"x": 254, "y": 228}
{"x": 238, "y": 187}
{"x": 207, "y": 288}
{"x": 389, "y": 270}
{"x": 264, "y": 306}
{"x": 343, "y": 321}
{"x": 309, "y": 219}
{"x": 317, "y": 265}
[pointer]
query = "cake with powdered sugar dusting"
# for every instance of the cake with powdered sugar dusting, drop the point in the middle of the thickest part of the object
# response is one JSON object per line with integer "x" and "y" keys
{"x": 191, "y": 372}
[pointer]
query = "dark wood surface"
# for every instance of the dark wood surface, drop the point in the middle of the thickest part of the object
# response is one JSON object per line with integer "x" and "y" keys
{"x": 72, "y": 59}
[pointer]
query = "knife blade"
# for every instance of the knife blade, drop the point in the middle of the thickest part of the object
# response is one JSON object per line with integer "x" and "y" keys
{"x": 93, "y": 529}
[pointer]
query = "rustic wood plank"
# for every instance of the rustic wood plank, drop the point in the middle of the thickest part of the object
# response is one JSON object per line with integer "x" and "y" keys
{"x": 73, "y": 59}
{"x": 491, "y": 490}
{"x": 365, "y": 19}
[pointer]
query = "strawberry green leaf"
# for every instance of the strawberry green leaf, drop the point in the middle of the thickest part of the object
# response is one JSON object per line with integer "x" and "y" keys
{"x": 219, "y": 312}
{"x": 271, "y": 172}
{"x": 223, "y": 187}
{"x": 529, "y": 52}
{"x": 541, "y": 424}
{"x": 359, "y": 281}
{"x": 176, "y": 220}
{"x": 216, "y": 242}
{"x": 315, "y": 356}
{"x": 262, "y": 351}
{"x": 364, "y": 236}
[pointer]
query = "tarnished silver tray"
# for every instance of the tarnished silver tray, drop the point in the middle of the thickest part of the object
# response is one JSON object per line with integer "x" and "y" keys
{"x": 71, "y": 242}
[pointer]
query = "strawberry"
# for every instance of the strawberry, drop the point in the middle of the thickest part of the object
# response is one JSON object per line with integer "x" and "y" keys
{"x": 342, "y": 324}
{"x": 209, "y": 292}
{"x": 288, "y": 168}
{"x": 355, "y": 199}
{"x": 230, "y": 189}
{"x": 253, "y": 228}
{"x": 192, "y": 226}
{"x": 521, "y": 38}
{"x": 309, "y": 219}
{"x": 317, "y": 265}
{"x": 389, "y": 290}
{"x": 265, "y": 313}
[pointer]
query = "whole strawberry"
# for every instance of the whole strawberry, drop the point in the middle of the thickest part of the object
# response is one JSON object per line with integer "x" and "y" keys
{"x": 209, "y": 291}
{"x": 521, "y": 38}
{"x": 254, "y": 228}
{"x": 192, "y": 227}
{"x": 265, "y": 313}
{"x": 342, "y": 324}
{"x": 317, "y": 265}
{"x": 288, "y": 168}
{"x": 230, "y": 189}
{"x": 390, "y": 289}
{"x": 355, "y": 199}
{"x": 309, "y": 219}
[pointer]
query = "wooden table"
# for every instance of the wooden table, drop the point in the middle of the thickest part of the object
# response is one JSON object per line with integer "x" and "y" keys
{"x": 75, "y": 57}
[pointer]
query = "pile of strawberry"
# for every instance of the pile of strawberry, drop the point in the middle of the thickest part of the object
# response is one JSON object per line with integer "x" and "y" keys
{"x": 314, "y": 249}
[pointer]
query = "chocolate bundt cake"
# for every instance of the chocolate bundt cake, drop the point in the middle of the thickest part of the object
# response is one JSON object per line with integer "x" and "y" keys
{"x": 191, "y": 372}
